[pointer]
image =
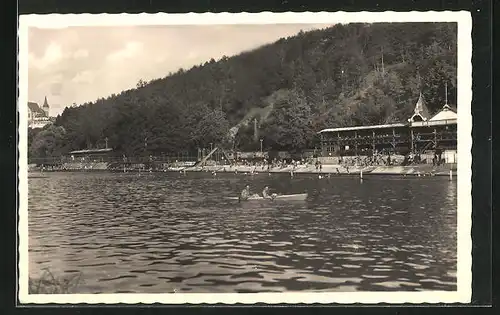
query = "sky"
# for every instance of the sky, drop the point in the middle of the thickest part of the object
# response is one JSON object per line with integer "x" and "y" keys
{"x": 81, "y": 64}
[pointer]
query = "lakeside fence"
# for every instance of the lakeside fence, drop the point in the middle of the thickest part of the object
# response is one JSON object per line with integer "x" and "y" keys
{"x": 161, "y": 159}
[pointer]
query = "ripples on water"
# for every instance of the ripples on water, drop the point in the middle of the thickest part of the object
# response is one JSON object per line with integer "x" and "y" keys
{"x": 174, "y": 233}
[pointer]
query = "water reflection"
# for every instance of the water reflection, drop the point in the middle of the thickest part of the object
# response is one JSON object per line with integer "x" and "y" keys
{"x": 170, "y": 232}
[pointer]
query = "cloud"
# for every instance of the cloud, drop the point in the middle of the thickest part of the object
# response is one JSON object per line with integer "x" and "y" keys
{"x": 80, "y": 54}
{"x": 82, "y": 64}
{"x": 130, "y": 50}
{"x": 49, "y": 80}
{"x": 84, "y": 77}
{"x": 192, "y": 55}
{"x": 56, "y": 88}
{"x": 53, "y": 53}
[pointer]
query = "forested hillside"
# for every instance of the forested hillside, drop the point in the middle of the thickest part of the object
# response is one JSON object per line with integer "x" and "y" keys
{"x": 345, "y": 75}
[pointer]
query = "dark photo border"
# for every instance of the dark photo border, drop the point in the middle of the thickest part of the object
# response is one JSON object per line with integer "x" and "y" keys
{"x": 481, "y": 11}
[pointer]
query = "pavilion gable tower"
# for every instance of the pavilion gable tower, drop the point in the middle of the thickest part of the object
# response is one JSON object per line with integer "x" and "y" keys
{"x": 421, "y": 112}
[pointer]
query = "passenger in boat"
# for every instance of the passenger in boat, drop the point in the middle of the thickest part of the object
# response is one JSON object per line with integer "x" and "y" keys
{"x": 266, "y": 195}
{"x": 245, "y": 193}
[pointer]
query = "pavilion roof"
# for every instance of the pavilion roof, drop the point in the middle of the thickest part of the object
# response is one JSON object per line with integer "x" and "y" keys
{"x": 446, "y": 113}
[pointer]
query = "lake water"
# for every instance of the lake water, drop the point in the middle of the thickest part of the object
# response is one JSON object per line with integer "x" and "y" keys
{"x": 168, "y": 232}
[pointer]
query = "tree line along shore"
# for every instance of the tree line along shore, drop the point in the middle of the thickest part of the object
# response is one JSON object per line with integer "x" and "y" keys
{"x": 276, "y": 97}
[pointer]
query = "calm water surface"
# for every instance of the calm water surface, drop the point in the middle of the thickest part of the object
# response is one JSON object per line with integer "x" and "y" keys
{"x": 172, "y": 233}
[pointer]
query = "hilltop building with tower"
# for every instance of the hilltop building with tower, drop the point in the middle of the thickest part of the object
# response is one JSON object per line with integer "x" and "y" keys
{"x": 39, "y": 117}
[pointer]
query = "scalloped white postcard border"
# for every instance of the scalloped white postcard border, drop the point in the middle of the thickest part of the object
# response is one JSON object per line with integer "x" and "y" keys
{"x": 464, "y": 172}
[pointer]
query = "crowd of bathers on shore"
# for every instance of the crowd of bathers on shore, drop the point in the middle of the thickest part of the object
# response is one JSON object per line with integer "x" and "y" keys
{"x": 378, "y": 159}
{"x": 344, "y": 162}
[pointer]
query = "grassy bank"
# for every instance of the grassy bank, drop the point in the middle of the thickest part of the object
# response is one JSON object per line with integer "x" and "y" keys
{"x": 48, "y": 283}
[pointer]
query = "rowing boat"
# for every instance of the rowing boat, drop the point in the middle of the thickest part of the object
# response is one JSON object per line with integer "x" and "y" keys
{"x": 293, "y": 197}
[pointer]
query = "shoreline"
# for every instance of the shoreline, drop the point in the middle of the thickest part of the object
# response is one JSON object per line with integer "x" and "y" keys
{"x": 328, "y": 170}
{"x": 415, "y": 170}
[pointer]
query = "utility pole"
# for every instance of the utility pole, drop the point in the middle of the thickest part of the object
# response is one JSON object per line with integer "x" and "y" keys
{"x": 446, "y": 93}
{"x": 343, "y": 81}
{"x": 261, "y": 146}
{"x": 383, "y": 69}
{"x": 255, "y": 134}
{"x": 106, "y": 139}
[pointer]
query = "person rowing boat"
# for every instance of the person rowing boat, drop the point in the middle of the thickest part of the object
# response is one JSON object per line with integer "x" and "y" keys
{"x": 245, "y": 193}
{"x": 266, "y": 195}
{"x": 265, "y": 192}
